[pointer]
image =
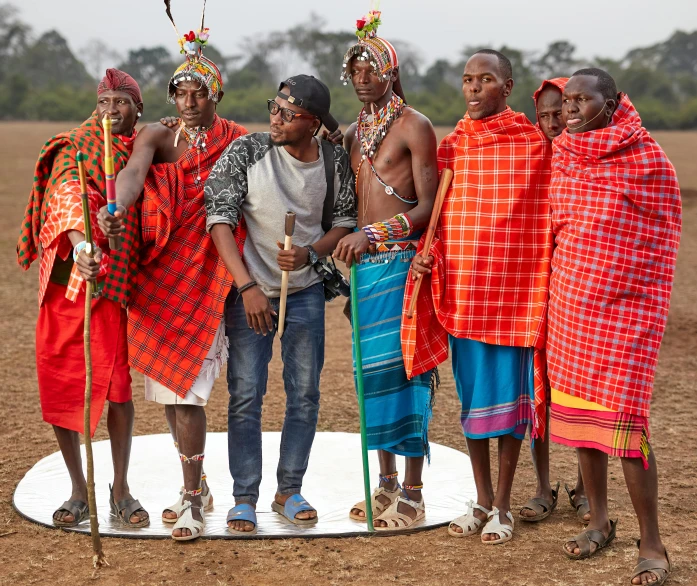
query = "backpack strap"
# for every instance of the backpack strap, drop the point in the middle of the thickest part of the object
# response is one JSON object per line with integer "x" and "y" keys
{"x": 328, "y": 209}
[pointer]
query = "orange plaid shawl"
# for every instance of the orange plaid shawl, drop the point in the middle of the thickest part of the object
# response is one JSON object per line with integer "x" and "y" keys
{"x": 181, "y": 285}
{"x": 55, "y": 207}
{"x": 492, "y": 248}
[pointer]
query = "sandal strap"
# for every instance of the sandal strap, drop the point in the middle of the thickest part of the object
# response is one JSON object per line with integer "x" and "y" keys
{"x": 127, "y": 507}
{"x": 654, "y": 566}
{"x": 75, "y": 508}
{"x": 537, "y": 505}
{"x": 242, "y": 512}
{"x": 472, "y": 505}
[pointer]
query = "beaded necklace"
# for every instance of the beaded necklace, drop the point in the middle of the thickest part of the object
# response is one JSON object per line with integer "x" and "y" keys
{"x": 372, "y": 128}
{"x": 196, "y": 137}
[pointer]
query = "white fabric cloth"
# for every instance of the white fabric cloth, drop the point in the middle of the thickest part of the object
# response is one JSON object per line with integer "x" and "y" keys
{"x": 200, "y": 391}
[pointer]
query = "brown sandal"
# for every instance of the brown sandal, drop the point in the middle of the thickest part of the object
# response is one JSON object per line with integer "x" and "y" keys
{"x": 125, "y": 509}
{"x": 581, "y": 505}
{"x": 78, "y": 509}
{"x": 541, "y": 507}
{"x": 661, "y": 569}
{"x": 583, "y": 540}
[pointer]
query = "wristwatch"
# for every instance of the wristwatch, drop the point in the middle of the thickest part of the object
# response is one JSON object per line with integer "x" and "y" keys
{"x": 312, "y": 256}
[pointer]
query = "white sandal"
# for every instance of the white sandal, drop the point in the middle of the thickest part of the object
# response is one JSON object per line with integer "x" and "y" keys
{"x": 187, "y": 521}
{"x": 493, "y": 525}
{"x": 178, "y": 507}
{"x": 378, "y": 507}
{"x": 469, "y": 524}
{"x": 396, "y": 520}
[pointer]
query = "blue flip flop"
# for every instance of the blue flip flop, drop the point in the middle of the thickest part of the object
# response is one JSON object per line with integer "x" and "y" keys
{"x": 294, "y": 505}
{"x": 242, "y": 512}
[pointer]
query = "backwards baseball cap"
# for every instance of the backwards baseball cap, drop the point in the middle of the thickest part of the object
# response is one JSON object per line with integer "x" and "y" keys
{"x": 308, "y": 92}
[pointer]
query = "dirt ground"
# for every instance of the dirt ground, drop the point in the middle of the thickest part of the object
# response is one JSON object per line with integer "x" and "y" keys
{"x": 30, "y": 554}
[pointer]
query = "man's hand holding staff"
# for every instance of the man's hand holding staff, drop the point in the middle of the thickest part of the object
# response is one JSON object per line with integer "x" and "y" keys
{"x": 422, "y": 264}
{"x": 288, "y": 245}
{"x": 110, "y": 177}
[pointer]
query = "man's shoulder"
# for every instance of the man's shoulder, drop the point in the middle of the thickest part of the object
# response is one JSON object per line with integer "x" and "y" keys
{"x": 154, "y": 133}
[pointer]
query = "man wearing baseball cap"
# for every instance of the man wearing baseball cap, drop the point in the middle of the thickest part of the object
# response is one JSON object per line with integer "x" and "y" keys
{"x": 262, "y": 176}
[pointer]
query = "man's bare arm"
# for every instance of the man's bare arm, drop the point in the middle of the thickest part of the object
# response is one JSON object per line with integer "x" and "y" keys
{"x": 130, "y": 181}
{"x": 422, "y": 143}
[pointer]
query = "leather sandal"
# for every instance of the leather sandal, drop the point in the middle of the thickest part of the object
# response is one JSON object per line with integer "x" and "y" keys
{"x": 659, "y": 568}
{"x": 78, "y": 509}
{"x": 396, "y": 520}
{"x": 540, "y": 506}
{"x": 583, "y": 541}
{"x": 495, "y": 527}
{"x": 125, "y": 509}
{"x": 581, "y": 505}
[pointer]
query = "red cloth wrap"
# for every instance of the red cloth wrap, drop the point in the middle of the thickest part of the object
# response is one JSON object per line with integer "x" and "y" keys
{"x": 492, "y": 249}
{"x": 182, "y": 283}
{"x": 617, "y": 220}
{"x": 60, "y": 358}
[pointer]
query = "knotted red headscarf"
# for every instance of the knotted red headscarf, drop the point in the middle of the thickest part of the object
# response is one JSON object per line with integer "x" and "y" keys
{"x": 119, "y": 81}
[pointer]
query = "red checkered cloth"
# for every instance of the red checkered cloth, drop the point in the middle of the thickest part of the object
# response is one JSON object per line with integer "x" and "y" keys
{"x": 55, "y": 207}
{"x": 181, "y": 285}
{"x": 616, "y": 218}
{"x": 492, "y": 249}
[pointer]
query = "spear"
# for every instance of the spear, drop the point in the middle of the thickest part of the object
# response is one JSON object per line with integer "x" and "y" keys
{"x": 98, "y": 559}
{"x": 110, "y": 176}
{"x": 355, "y": 322}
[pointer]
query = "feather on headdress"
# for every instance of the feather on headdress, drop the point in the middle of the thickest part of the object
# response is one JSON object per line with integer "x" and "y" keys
{"x": 196, "y": 67}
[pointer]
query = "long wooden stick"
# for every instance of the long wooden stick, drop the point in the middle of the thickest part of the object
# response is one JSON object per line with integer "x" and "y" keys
{"x": 110, "y": 177}
{"x": 98, "y": 559}
{"x": 287, "y": 245}
{"x": 445, "y": 180}
{"x": 358, "y": 356}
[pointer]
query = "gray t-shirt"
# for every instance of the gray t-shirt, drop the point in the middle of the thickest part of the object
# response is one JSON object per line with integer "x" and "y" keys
{"x": 262, "y": 182}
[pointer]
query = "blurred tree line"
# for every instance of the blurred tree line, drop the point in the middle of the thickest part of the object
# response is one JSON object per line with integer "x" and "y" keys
{"x": 41, "y": 79}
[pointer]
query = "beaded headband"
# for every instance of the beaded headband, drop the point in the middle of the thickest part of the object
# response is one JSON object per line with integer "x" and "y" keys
{"x": 379, "y": 52}
{"x": 196, "y": 67}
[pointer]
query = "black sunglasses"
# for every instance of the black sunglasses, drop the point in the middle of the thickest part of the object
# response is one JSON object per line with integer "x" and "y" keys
{"x": 287, "y": 115}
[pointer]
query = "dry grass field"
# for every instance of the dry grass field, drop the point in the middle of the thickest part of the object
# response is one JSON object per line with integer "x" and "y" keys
{"x": 30, "y": 554}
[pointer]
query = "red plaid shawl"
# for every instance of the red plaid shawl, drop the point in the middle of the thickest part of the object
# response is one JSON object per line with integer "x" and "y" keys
{"x": 181, "y": 285}
{"x": 616, "y": 218}
{"x": 493, "y": 247}
{"x": 55, "y": 207}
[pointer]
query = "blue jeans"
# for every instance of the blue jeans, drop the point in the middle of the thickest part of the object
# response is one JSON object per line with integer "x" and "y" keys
{"x": 302, "y": 352}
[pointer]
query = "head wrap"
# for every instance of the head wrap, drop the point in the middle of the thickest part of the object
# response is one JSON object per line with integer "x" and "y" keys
{"x": 119, "y": 81}
{"x": 380, "y": 53}
{"x": 557, "y": 82}
{"x": 196, "y": 67}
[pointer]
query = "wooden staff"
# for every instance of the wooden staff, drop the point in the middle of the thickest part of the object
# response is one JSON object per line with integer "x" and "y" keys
{"x": 445, "y": 180}
{"x": 114, "y": 242}
{"x": 287, "y": 245}
{"x": 98, "y": 559}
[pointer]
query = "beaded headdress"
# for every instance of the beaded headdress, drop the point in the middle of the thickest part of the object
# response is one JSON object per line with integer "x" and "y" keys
{"x": 196, "y": 67}
{"x": 379, "y": 52}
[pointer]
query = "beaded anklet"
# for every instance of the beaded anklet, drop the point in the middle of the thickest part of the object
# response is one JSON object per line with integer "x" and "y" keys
{"x": 396, "y": 228}
{"x": 415, "y": 487}
{"x": 196, "y": 492}
{"x": 196, "y": 458}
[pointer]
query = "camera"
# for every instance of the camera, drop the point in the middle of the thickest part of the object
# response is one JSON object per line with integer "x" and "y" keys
{"x": 335, "y": 283}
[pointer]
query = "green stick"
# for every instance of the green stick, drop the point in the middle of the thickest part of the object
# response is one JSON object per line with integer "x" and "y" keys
{"x": 355, "y": 322}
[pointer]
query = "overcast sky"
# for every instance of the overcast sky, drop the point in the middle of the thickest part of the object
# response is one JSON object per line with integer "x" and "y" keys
{"x": 440, "y": 28}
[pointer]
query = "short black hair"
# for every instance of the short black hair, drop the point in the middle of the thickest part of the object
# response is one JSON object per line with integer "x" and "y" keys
{"x": 606, "y": 84}
{"x": 504, "y": 62}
